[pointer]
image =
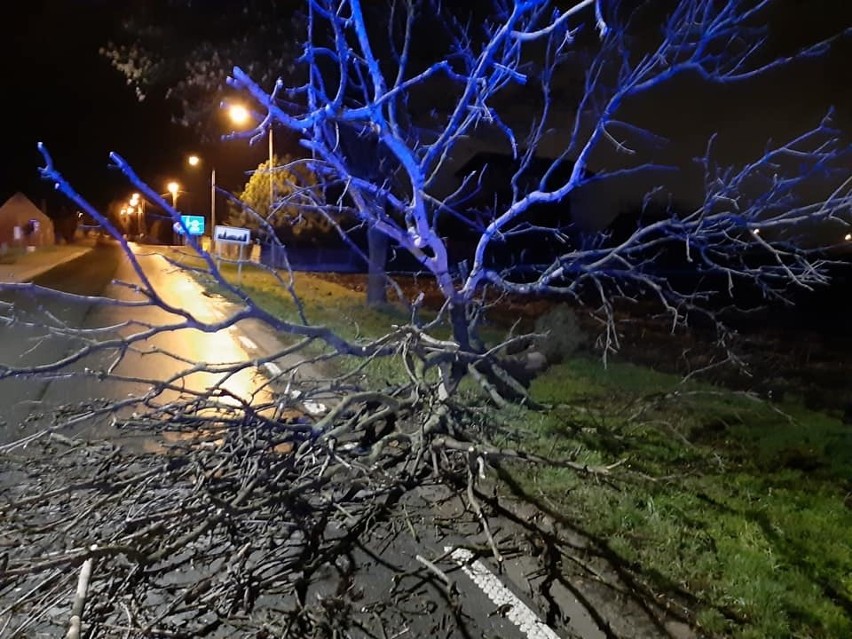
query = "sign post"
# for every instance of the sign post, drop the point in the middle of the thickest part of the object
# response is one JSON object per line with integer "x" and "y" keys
{"x": 232, "y": 235}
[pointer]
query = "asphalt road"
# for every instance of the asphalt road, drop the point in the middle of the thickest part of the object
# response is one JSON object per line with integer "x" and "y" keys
{"x": 40, "y": 330}
{"x": 31, "y": 404}
{"x": 32, "y": 334}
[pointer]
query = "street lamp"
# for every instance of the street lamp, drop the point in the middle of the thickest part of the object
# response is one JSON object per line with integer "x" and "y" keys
{"x": 138, "y": 205}
{"x": 240, "y": 115}
{"x": 173, "y": 188}
{"x": 194, "y": 160}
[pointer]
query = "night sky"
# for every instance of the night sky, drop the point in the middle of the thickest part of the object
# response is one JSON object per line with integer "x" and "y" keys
{"x": 59, "y": 90}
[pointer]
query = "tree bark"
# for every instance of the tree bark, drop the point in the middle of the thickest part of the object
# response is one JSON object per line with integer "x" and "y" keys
{"x": 377, "y": 248}
{"x": 460, "y": 326}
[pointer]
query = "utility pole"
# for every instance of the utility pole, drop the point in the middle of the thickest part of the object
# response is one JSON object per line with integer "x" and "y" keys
{"x": 212, "y": 205}
{"x": 271, "y": 177}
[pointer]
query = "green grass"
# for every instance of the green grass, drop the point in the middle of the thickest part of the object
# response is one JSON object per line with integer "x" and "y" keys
{"x": 745, "y": 510}
{"x": 327, "y": 304}
{"x": 742, "y": 504}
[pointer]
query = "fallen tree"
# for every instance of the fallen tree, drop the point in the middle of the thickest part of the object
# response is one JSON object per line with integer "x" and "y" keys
{"x": 258, "y": 497}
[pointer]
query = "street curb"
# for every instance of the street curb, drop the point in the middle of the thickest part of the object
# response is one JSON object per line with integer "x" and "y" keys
{"x": 27, "y": 275}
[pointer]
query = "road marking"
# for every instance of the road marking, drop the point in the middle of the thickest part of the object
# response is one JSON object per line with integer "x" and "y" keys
{"x": 518, "y": 613}
{"x": 247, "y": 343}
{"x": 272, "y": 368}
{"x": 312, "y": 407}
{"x": 315, "y": 408}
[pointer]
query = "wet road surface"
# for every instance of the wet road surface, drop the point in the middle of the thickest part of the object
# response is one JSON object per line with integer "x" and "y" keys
{"x": 30, "y": 405}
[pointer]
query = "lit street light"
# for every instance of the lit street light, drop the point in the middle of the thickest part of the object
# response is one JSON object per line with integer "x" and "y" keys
{"x": 173, "y": 188}
{"x": 240, "y": 115}
{"x": 194, "y": 160}
{"x": 137, "y": 204}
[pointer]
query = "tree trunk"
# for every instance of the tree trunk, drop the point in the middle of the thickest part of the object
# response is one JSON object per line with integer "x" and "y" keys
{"x": 459, "y": 325}
{"x": 377, "y": 248}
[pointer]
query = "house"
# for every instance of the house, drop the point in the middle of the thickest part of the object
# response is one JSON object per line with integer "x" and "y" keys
{"x": 22, "y": 223}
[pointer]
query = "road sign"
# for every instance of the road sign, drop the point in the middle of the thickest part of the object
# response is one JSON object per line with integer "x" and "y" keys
{"x": 232, "y": 234}
{"x": 193, "y": 223}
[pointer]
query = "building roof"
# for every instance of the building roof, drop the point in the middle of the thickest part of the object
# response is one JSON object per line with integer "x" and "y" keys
{"x": 21, "y": 208}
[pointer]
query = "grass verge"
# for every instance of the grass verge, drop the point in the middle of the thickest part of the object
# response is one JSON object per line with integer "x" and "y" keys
{"x": 742, "y": 505}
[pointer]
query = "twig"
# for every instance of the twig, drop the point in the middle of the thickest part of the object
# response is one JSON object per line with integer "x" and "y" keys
{"x": 451, "y": 587}
{"x": 409, "y": 524}
{"x": 76, "y": 622}
{"x": 477, "y": 509}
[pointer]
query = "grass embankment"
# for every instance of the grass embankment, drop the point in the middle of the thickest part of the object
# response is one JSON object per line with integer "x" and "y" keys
{"x": 737, "y": 502}
{"x": 742, "y": 505}
{"x": 325, "y": 303}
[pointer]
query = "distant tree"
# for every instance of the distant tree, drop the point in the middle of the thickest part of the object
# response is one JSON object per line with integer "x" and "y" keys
{"x": 293, "y": 186}
{"x": 183, "y": 50}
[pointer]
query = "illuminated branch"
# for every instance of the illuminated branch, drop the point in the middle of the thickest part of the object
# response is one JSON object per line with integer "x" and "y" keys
{"x": 485, "y": 71}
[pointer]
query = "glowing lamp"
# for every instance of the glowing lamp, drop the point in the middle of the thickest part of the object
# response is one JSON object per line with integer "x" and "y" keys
{"x": 238, "y": 114}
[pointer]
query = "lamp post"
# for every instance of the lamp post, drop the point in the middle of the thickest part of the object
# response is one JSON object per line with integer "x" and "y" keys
{"x": 194, "y": 160}
{"x": 174, "y": 189}
{"x": 138, "y": 205}
{"x": 239, "y": 115}
{"x": 271, "y": 180}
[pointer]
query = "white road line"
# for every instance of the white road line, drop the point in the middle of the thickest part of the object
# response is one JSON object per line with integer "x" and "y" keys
{"x": 315, "y": 408}
{"x": 272, "y": 368}
{"x": 247, "y": 343}
{"x": 518, "y": 613}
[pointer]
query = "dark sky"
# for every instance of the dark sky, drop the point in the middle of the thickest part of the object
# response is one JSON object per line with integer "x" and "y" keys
{"x": 59, "y": 90}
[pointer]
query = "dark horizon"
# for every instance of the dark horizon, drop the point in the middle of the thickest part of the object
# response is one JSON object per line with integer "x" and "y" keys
{"x": 62, "y": 92}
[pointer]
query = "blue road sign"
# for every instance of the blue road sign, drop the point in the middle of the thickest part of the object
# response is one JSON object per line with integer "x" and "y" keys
{"x": 194, "y": 224}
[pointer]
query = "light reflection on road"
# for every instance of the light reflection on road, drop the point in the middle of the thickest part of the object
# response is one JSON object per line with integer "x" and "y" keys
{"x": 192, "y": 360}
{"x": 178, "y": 354}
